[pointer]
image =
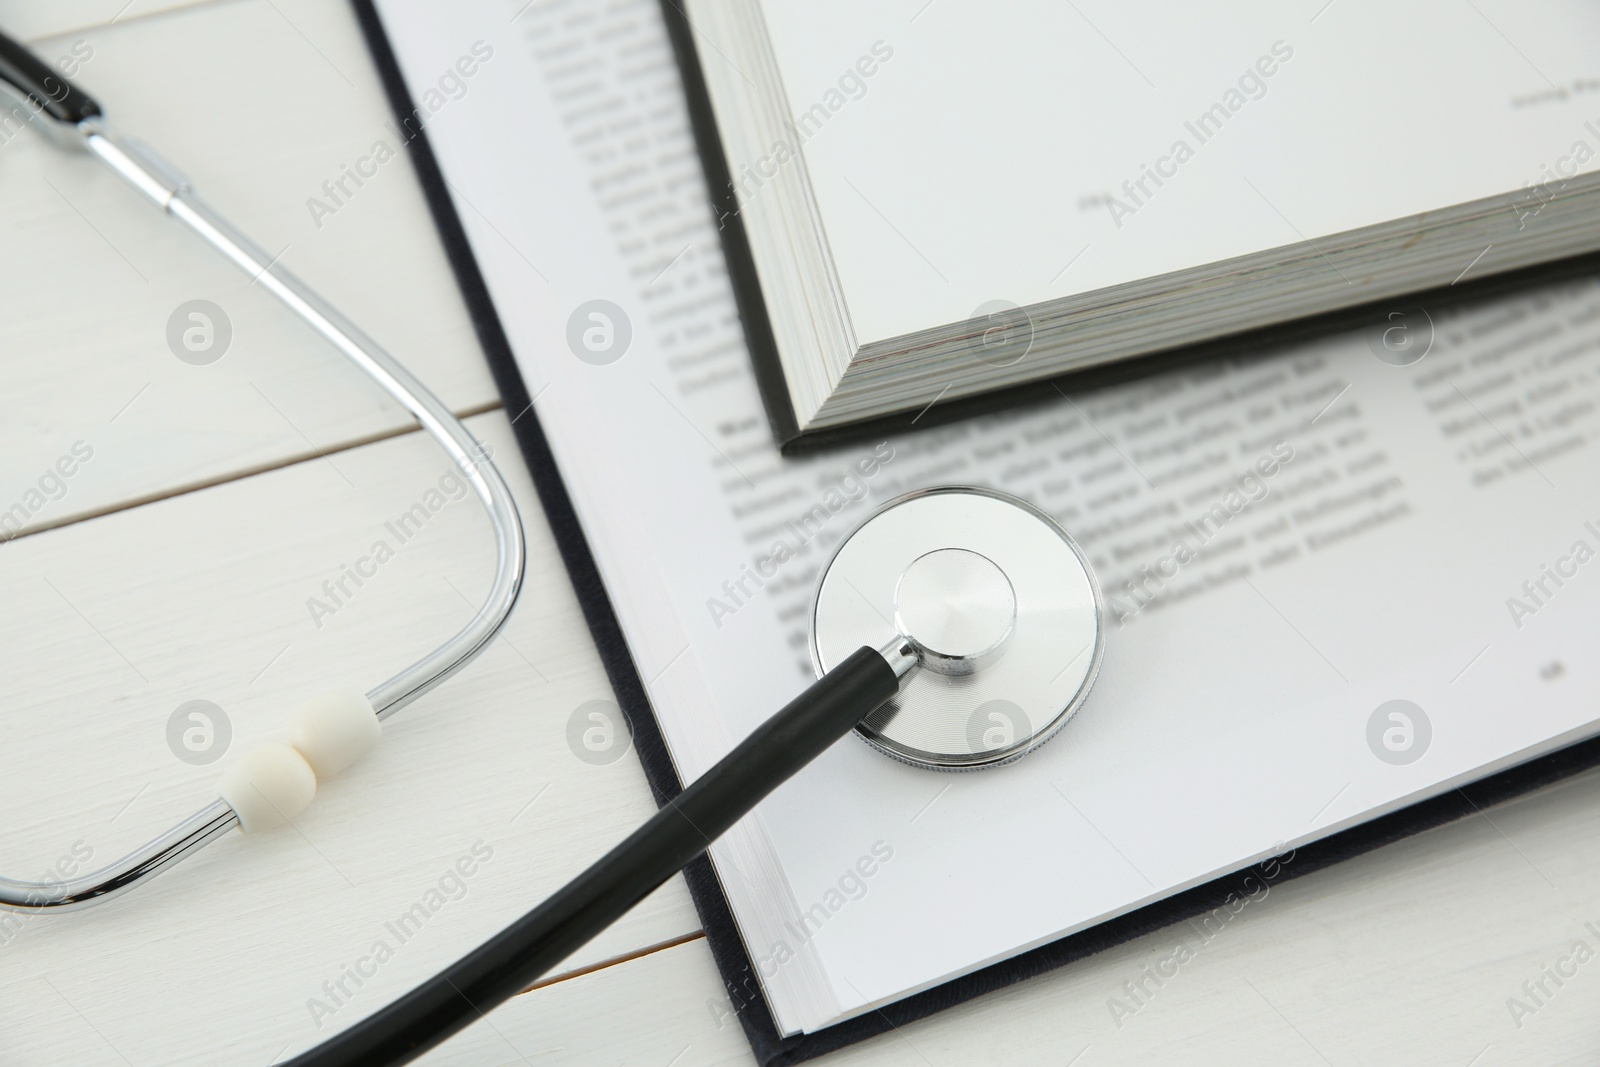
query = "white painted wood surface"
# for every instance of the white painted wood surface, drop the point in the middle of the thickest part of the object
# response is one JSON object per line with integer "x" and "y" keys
{"x": 1409, "y": 955}
{"x": 240, "y": 98}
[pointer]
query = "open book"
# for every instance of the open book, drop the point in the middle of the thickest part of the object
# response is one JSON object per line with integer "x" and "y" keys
{"x": 937, "y": 200}
{"x": 1341, "y": 582}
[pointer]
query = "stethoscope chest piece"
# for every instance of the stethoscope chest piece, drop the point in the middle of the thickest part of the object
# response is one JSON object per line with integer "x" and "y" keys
{"x": 1001, "y": 606}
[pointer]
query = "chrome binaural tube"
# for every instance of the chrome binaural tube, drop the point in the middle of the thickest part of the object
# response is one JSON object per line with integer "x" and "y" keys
{"x": 161, "y": 184}
{"x": 210, "y": 822}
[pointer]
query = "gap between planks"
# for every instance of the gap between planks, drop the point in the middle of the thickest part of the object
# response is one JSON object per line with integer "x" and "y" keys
{"x": 612, "y": 961}
{"x": 291, "y": 460}
{"x": 120, "y": 20}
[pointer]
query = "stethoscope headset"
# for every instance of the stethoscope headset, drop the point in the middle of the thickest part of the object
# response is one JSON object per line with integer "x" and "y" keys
{"x": 956, "y": 628}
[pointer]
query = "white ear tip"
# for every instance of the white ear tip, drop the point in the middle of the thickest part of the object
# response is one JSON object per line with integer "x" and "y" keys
{"x": 334, "y": 730}
{"x": 268, "y": 786}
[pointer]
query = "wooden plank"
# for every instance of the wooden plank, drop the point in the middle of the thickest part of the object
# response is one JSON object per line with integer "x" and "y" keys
{"x": 93, "y": 276}
{"x": 1418, "y": 953}
{"x": 111, "y": 624}
{"x": 30, "y": 20}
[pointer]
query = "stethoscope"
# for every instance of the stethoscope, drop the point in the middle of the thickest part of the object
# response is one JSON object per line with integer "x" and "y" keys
{"x": 955, "y": 628}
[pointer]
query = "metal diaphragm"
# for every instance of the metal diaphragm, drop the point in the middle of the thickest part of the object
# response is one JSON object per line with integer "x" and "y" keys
{"x": 1002, "y": 605}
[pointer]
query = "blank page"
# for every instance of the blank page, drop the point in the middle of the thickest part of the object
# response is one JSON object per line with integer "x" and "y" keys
{"x": 980, "y": 156}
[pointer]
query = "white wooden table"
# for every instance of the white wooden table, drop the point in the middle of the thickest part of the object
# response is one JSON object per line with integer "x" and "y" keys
{"x": 176, "y": 562}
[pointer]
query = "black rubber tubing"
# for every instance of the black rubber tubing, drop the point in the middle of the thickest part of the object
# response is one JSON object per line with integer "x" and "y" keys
{"x": 519, "y": 955}
{"x": 46, "y": 90}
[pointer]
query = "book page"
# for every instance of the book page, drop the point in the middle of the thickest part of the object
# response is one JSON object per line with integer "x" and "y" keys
{"x": 1340, "y": 577}
{"x": 966, "y": 153}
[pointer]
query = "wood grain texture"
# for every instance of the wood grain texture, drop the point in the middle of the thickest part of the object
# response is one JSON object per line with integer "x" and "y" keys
{"x": 1409, "y": 956}
{"x": 260, "y": 104}
{"x": 32, "y": 20}
{"x": 114, "y": 622}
